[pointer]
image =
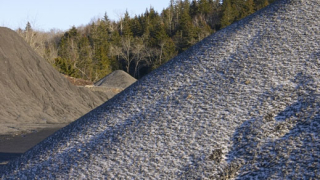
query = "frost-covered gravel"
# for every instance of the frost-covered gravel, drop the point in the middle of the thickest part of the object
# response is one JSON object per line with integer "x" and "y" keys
{"x": 243, "y": 103}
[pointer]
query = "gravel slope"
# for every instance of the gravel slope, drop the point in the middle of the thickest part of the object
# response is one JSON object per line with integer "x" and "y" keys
{"x": 243, "y": 103}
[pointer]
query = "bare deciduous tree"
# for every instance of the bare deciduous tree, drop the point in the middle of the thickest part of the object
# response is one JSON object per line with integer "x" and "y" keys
{"x": 125, "y": 54}
{"x": 161, "y": 44}
{"x": 139, "y": 55}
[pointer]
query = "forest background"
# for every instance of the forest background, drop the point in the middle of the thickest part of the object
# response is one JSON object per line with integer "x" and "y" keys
{"x": 136, "y": 44}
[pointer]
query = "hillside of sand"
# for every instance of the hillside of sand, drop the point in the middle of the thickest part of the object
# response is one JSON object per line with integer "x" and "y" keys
{"x": 33, "y": 92}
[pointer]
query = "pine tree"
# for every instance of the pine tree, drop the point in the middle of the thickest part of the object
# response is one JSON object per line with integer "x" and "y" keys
{"x": 204, "y": 7}
{"x": 250, "y": 6}
{"x": 127, "y": 26}
{"x": 144, "y": 42}
{"x": 68, "y": 44}
{"x": 265, "y": 3}
{"x": 85, "y": 65}
{"x": 152, "y": 19}
{"x": 186, "y": 32}
{"x": 166, "y": 17}
{"x": 261, "y": 4}
{"x": 247, "y": 9}
{"x": 194, "y": 8}
{"x": 106, "y": 18}
{"x": 227, "y": 13}
{"x": 137, "y": 27}
{"x": 28, "y": 27}
{"x": 101, "y": 46}
{"x": 161, "y": 38}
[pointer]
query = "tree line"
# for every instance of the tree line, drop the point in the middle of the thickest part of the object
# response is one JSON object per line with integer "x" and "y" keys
{"x": 136, "y": 44}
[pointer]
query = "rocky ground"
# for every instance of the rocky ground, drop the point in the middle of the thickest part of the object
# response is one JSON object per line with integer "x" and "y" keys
{"x": 243, "y": 103}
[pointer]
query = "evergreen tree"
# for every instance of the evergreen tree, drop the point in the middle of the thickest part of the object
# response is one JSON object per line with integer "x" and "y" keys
{"x": 100, "y": 36}
{"x": 261, "y": 4}
{"x": 204, "y": 7}
{"x": 106, "y": 18}
{"x": 68, "y": 44}
{"x": 194, "y": 8}
{"x": 68, "y": 53}
{"x": 161, "y": 38}
{"x": 166, "y": 16}
{"x": 228, "y": 14}
{"x": 64, "y": 66}
{"x": 265, "y": 3}
{"x": 248, "y": 8}
{"x": 137, "y": 29}
{"x": 170, "y": 16}
{"x": 140, "y": 44}
{"x": 127, "y": 26}
{"x": 84, "y": 64}
{"x": 28, "y": 27}
{"x": 152, "y": 19}
{"x": 185, "y": 35}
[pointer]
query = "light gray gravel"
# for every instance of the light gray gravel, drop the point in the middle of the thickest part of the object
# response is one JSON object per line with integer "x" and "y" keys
{"x": 243, "y": 104}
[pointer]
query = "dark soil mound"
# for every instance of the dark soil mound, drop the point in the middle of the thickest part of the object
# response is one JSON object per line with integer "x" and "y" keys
{"x": 32, "y": 91}
{"x": 116, "y": 79}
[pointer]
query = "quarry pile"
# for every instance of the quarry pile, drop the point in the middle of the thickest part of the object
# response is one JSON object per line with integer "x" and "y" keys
{"x": 118, "y": 78}
{"x": 243, "y": 104}
{"x": 32, "y": 91}
{"x": 113, "y": 83}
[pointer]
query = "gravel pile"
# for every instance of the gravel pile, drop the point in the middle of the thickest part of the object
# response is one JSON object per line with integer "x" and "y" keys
{"x": 243, "y": 104}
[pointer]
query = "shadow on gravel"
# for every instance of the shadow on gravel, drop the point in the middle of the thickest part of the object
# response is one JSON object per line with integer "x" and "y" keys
{"x": 6, "y": 157}
{"x": 283, "y": 145}
{"x": 12, "y": 147}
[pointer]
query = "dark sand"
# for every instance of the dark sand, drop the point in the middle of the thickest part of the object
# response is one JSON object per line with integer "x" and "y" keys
{"x": 33, "y": 92}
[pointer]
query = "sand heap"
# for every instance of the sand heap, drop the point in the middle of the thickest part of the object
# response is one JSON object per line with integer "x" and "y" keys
{"x": 32, "y": 91}
{"x": 116, "y": 79}
{"x": 242, "y": 103}
{"x": 113, "y": 83}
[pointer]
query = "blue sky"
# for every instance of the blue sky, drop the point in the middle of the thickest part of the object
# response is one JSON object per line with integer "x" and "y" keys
{"x": 63, "y": 14}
